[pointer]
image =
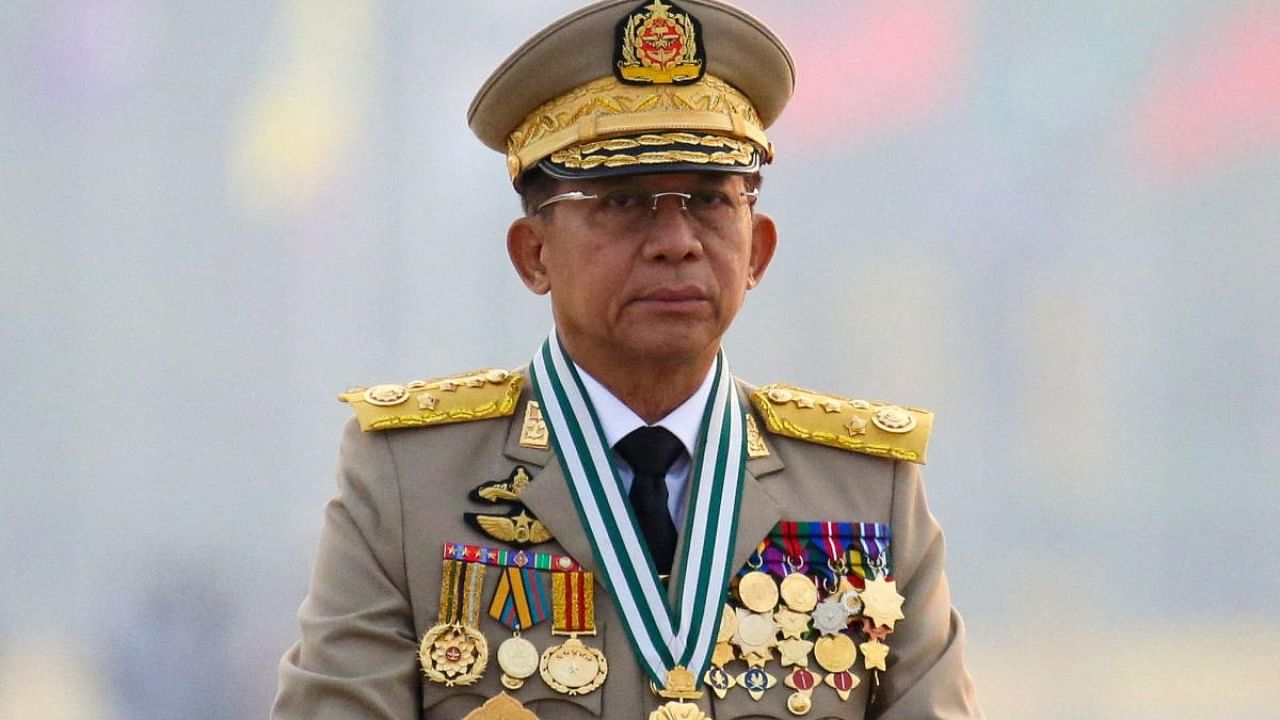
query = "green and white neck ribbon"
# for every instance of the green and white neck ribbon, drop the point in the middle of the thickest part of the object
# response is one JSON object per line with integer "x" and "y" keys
{"x": 662, "y": 636}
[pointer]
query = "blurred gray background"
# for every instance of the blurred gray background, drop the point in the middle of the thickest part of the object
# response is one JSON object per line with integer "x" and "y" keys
{"x": 1052, "y": 223}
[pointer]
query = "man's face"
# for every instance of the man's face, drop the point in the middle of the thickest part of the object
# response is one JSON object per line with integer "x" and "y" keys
{"x": 642, "y": 287}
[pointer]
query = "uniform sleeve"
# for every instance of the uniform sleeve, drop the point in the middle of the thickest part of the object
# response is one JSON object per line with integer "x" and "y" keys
{"x": 927, "y": 678}
{"x": 357, "y": 656}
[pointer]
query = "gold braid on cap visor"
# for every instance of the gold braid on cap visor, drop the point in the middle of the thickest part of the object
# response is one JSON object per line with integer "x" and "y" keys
{"x": 582, "y": 129}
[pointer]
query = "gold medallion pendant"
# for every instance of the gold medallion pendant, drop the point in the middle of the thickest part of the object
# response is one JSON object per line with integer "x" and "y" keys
{"x": 512, "y": 605}
{"x": 453, "y": 654}
{"x": 518, "y": 659}
{"x": 679, "y": 689}
{"x": 572, "y": 667}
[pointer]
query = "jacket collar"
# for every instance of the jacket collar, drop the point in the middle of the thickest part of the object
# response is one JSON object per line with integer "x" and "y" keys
{"x": 548, "y": 497}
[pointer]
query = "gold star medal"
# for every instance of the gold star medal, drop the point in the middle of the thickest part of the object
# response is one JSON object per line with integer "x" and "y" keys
{"x": 794, "y": 652}
{"x": 793, "y": 624}
{"x": 881, "y": 601}
{"x": 573, "y": 668}
{"x": 453, "y": 652}
{"x": 755, "y": 635}
{"x": 874, "y": 654}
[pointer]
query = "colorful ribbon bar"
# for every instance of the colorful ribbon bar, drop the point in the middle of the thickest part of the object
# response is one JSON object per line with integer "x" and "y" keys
{"x": 816, "y": 547}
{"x": 521, "y": 600}
{"x": 573, "y": 602}
{"x": 460, "y": 588}
{"x": 510, "y": 558}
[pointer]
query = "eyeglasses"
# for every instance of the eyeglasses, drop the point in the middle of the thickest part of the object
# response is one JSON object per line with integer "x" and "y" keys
{"x": 626, "y": 208}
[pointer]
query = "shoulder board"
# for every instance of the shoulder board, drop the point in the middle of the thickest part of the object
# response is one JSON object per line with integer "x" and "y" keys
{"x": 477, "y": 395}
{"x": 863, "y": 426}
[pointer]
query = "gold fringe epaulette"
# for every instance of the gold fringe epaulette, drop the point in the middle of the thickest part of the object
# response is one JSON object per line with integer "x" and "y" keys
{"x": 874, "y": 428}
{"x": 477, "y": 395}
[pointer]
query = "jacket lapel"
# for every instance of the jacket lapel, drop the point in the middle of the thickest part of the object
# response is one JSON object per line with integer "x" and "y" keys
{"x": 758, "y": 511}
{"x": 547, "y": 495}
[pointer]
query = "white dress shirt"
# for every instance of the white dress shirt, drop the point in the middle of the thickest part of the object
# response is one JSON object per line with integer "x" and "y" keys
{"x": 617, "y": 421}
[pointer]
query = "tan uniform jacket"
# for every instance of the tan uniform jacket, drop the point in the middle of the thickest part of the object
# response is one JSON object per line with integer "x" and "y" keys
{"x": 402, "y": 494}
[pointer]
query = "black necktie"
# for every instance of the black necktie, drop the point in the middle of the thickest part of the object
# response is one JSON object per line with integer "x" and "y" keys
{"x": 650, "y": 451}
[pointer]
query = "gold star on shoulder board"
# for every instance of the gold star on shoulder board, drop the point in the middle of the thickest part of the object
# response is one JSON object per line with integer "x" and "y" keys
{"x": 856, "y": 426}
{"x": 882, "y": 603}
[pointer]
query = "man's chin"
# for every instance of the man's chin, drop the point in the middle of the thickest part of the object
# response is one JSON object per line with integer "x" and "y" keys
{"x": 678, "y": 345}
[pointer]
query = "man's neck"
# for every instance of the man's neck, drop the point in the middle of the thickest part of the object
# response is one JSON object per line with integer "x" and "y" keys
{"x": 651, "y": 392}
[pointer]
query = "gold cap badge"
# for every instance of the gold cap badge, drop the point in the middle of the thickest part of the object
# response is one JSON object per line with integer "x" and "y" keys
{"x": 659, "y": 43}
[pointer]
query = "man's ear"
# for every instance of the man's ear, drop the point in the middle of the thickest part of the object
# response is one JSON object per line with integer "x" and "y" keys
{"x": 525, "y": 241}
{"x": 764, "y": 240}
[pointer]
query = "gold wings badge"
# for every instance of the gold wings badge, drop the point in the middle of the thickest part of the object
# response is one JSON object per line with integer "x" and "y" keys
{"x": 518, "y": 527}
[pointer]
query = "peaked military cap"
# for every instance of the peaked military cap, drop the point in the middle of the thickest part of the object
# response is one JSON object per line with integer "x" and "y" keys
{"x": 621, "y": 86}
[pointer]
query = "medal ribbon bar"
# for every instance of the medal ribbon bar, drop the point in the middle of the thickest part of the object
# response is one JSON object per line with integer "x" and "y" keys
{"x": 573, "y": 603}
{"x": 521, "y": 600}
{"x": 498, "y": 557}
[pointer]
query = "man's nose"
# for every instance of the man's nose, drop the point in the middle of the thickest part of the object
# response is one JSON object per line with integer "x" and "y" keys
{"x": 672, "y": 232}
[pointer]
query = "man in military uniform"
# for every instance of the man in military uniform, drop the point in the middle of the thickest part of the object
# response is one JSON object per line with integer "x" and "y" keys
{"x": 622, "y": 529}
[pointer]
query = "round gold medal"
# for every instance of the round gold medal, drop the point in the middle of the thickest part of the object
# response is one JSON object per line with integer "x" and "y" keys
{"x": 799, "y": 703}
{"x": 518, "y": 659}
{"x": 799, "y": 592}
{"x": 758, "y": 591}
{"x": 756, "y": 631}
{"x": 573, "y": 668}
{"x": 835, "y": 653}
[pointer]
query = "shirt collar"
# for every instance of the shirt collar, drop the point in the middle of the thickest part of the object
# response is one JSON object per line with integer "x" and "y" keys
{"x": 617, "y": 420}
